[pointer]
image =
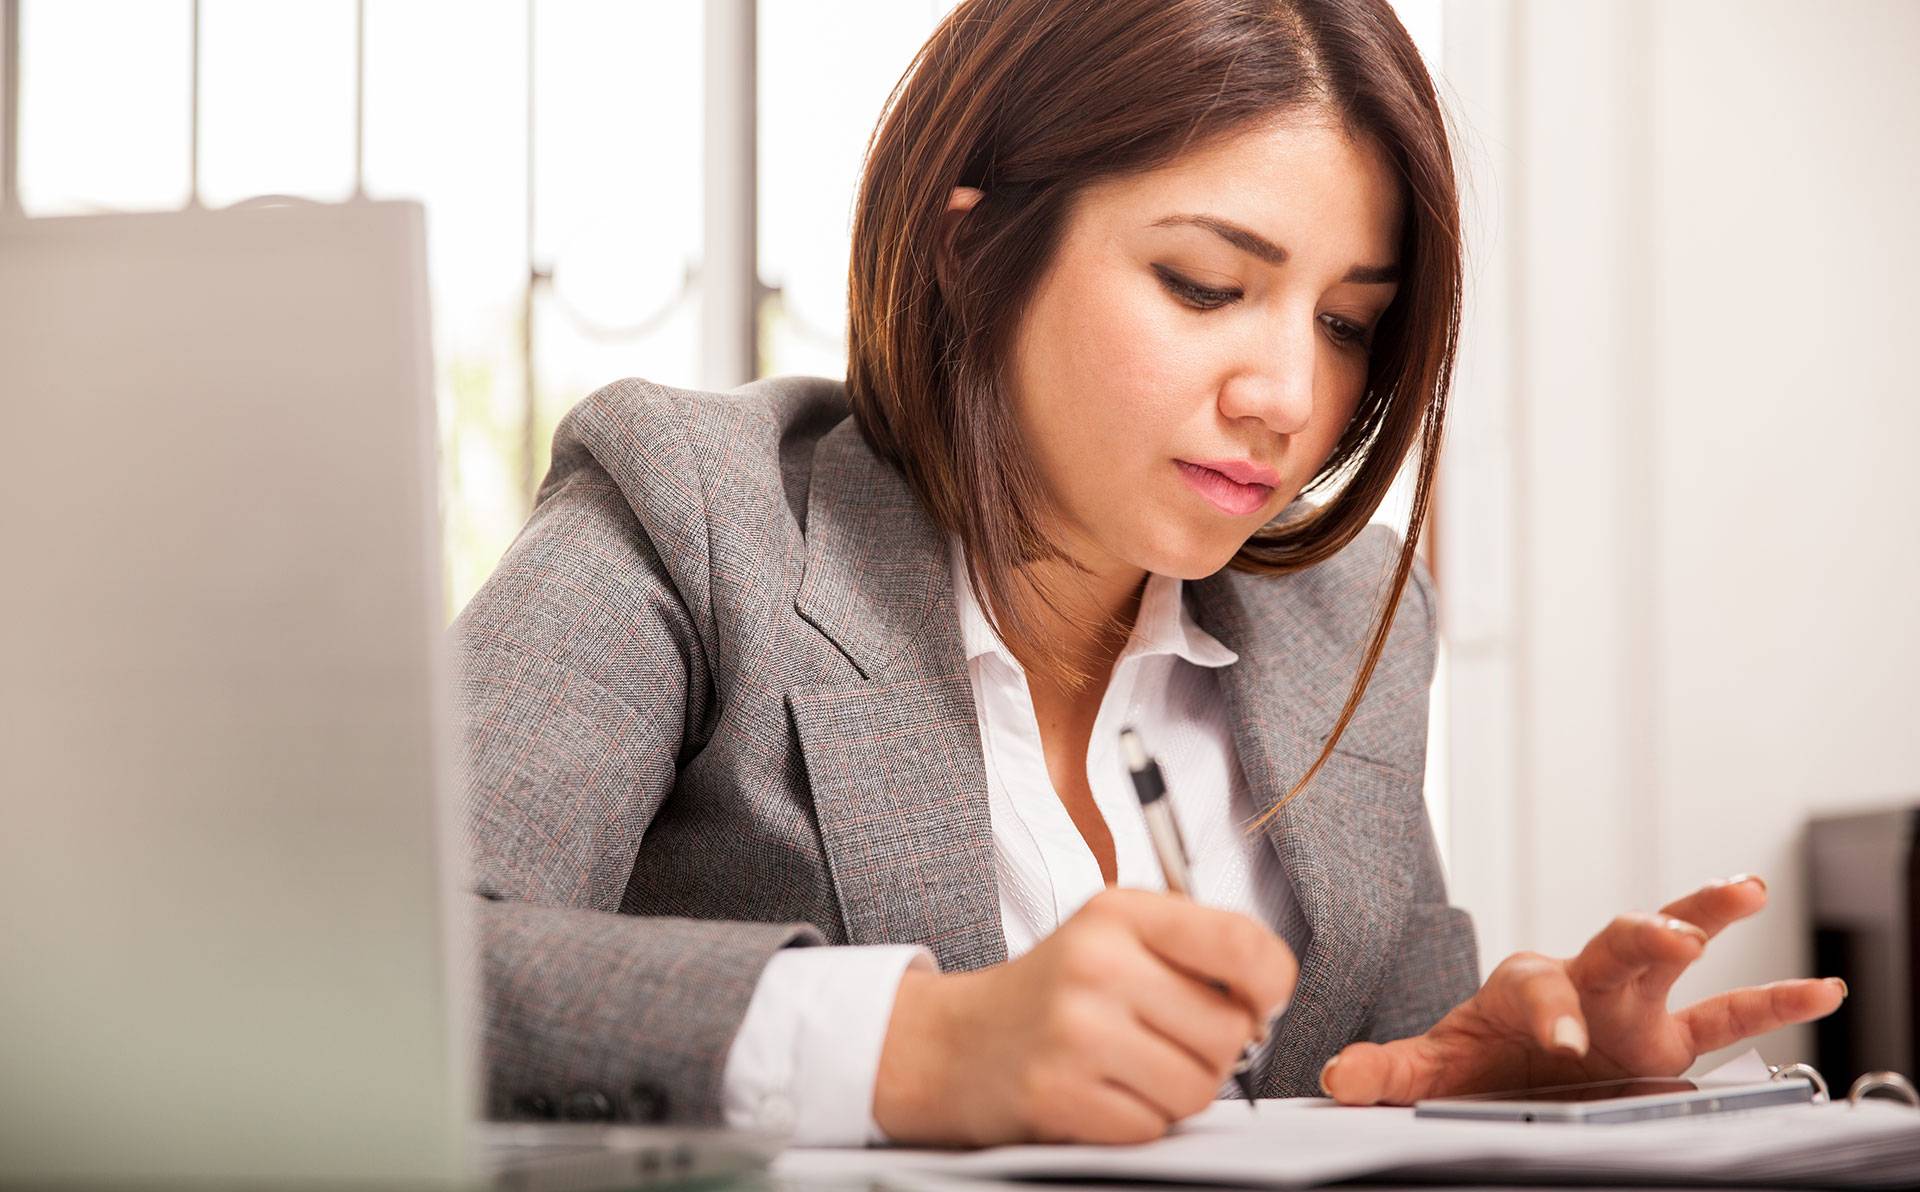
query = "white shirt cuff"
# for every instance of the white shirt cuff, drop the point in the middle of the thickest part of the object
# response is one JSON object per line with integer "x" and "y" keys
{"x": 809, "y": 1047}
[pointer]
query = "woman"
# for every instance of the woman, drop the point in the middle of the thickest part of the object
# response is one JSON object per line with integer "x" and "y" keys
{"x": 791, "y": 711}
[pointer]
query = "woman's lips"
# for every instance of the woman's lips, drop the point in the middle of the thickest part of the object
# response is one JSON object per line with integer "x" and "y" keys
{"x": 1227, "y": 495}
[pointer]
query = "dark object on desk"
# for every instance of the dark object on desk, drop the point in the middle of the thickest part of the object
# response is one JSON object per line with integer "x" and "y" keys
{"x": 1863, "y": 883}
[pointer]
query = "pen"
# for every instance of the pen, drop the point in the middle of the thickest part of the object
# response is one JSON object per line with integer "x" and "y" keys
{"x": 1164, "y": 831}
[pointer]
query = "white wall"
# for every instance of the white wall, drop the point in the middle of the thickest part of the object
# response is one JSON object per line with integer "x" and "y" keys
{"x": 1680, "y": 564}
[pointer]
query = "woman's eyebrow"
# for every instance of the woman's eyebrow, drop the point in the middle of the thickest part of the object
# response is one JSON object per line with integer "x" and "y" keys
{"x": 1252, "y": 242}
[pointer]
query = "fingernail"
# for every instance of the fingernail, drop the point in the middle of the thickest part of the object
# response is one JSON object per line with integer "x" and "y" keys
{"x": 1737, "y": 878}
{"x": 1324, "y": 1069}
{"x": 1569, "y": 1035}
{"x": 1840, "y": 983}
{"x": 1685, "y": 928}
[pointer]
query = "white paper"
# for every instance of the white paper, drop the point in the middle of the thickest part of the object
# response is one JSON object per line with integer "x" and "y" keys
{"x": 1307, "y": 1141}
{"x": 1745, "y": 1068}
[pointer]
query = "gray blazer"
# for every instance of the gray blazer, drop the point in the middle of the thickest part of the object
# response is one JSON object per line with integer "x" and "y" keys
{"x": 715, "y": 704}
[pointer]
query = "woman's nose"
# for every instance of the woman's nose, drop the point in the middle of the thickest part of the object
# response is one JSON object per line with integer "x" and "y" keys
{"x": 1276, "y": 388}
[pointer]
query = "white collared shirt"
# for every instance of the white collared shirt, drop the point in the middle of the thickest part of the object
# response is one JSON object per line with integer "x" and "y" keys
{"x": 809, "y": 1046}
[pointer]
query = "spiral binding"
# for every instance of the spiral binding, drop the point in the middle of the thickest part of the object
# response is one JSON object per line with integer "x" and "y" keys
{"x": 1868, "y": 1084}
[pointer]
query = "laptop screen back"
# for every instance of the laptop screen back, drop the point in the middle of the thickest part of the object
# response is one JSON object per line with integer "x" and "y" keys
{"x": 226, "y": 870}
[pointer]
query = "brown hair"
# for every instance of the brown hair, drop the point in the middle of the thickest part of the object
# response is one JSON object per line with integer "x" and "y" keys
{"x": 1030, "y": 101}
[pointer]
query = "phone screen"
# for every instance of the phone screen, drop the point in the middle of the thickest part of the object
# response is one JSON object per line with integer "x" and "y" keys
{"x": 1600, "y": 1090}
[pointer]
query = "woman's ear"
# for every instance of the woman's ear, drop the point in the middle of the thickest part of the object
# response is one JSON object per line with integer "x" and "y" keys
{"x": 959, "y": 203}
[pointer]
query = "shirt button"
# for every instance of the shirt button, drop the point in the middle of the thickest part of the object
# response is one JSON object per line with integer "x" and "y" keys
{"x": 535, "y": 1105}
{"x": 587, "y": 1105}
{"x": 648, "y": 1102}
{"x": 776, "y": 1113}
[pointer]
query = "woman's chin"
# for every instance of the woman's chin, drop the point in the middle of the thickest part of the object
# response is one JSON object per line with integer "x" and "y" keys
{"x": 1194, "y": 556}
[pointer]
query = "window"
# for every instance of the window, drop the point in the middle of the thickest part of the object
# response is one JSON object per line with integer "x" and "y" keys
{"x": 559, "y": 149}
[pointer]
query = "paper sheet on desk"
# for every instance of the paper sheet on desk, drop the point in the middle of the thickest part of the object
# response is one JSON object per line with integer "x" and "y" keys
{"x": 1309, "y": 1141}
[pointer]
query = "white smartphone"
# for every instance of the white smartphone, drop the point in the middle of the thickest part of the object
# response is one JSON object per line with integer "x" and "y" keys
{"x": 1610, "y": 1101}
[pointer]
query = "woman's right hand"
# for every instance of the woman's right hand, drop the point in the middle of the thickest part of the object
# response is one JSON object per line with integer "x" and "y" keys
{"x": 1109, "y": 1030}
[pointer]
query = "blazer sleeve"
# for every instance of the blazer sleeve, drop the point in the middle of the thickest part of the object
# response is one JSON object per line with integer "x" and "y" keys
{"x": 1438, "y": 965}
{"x": 581, "y": 679}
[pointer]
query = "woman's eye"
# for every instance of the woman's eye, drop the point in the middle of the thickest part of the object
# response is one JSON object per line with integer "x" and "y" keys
{"x": 1210, "y": 300}
{"x": 1347, "y": 333}
{"x": 1196, "y": 296}
{"x": 1203, "y": 298}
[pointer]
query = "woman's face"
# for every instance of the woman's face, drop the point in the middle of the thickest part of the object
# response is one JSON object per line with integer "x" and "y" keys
{"x": 1199, "y": 343}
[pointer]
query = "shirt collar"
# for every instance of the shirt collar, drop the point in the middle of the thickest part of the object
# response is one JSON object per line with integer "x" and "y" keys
{"x": 1163, "y": 625}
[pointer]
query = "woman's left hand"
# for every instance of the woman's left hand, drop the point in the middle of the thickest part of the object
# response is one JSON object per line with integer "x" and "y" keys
{"x": 1602, "y": 1015}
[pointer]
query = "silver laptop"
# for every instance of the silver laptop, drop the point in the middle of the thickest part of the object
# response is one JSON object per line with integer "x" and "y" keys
{"x": 232, "y": 940}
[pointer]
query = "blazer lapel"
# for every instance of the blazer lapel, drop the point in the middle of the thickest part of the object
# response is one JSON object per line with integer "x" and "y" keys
{"x": 1345, "y": 842}
{"x": 899, "y": 784}
{"x": 894, "y": 758}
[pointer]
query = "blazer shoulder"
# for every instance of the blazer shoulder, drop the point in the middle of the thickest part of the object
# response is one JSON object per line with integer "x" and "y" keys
{"x": 684, "y": 457}
{"x": 707, "y": 475}
{"x": 1349, "y": 589}
{"x": 1315, "y": 623}
{"x": 1336, "y": 602}
{"x": 634, "y": 427}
